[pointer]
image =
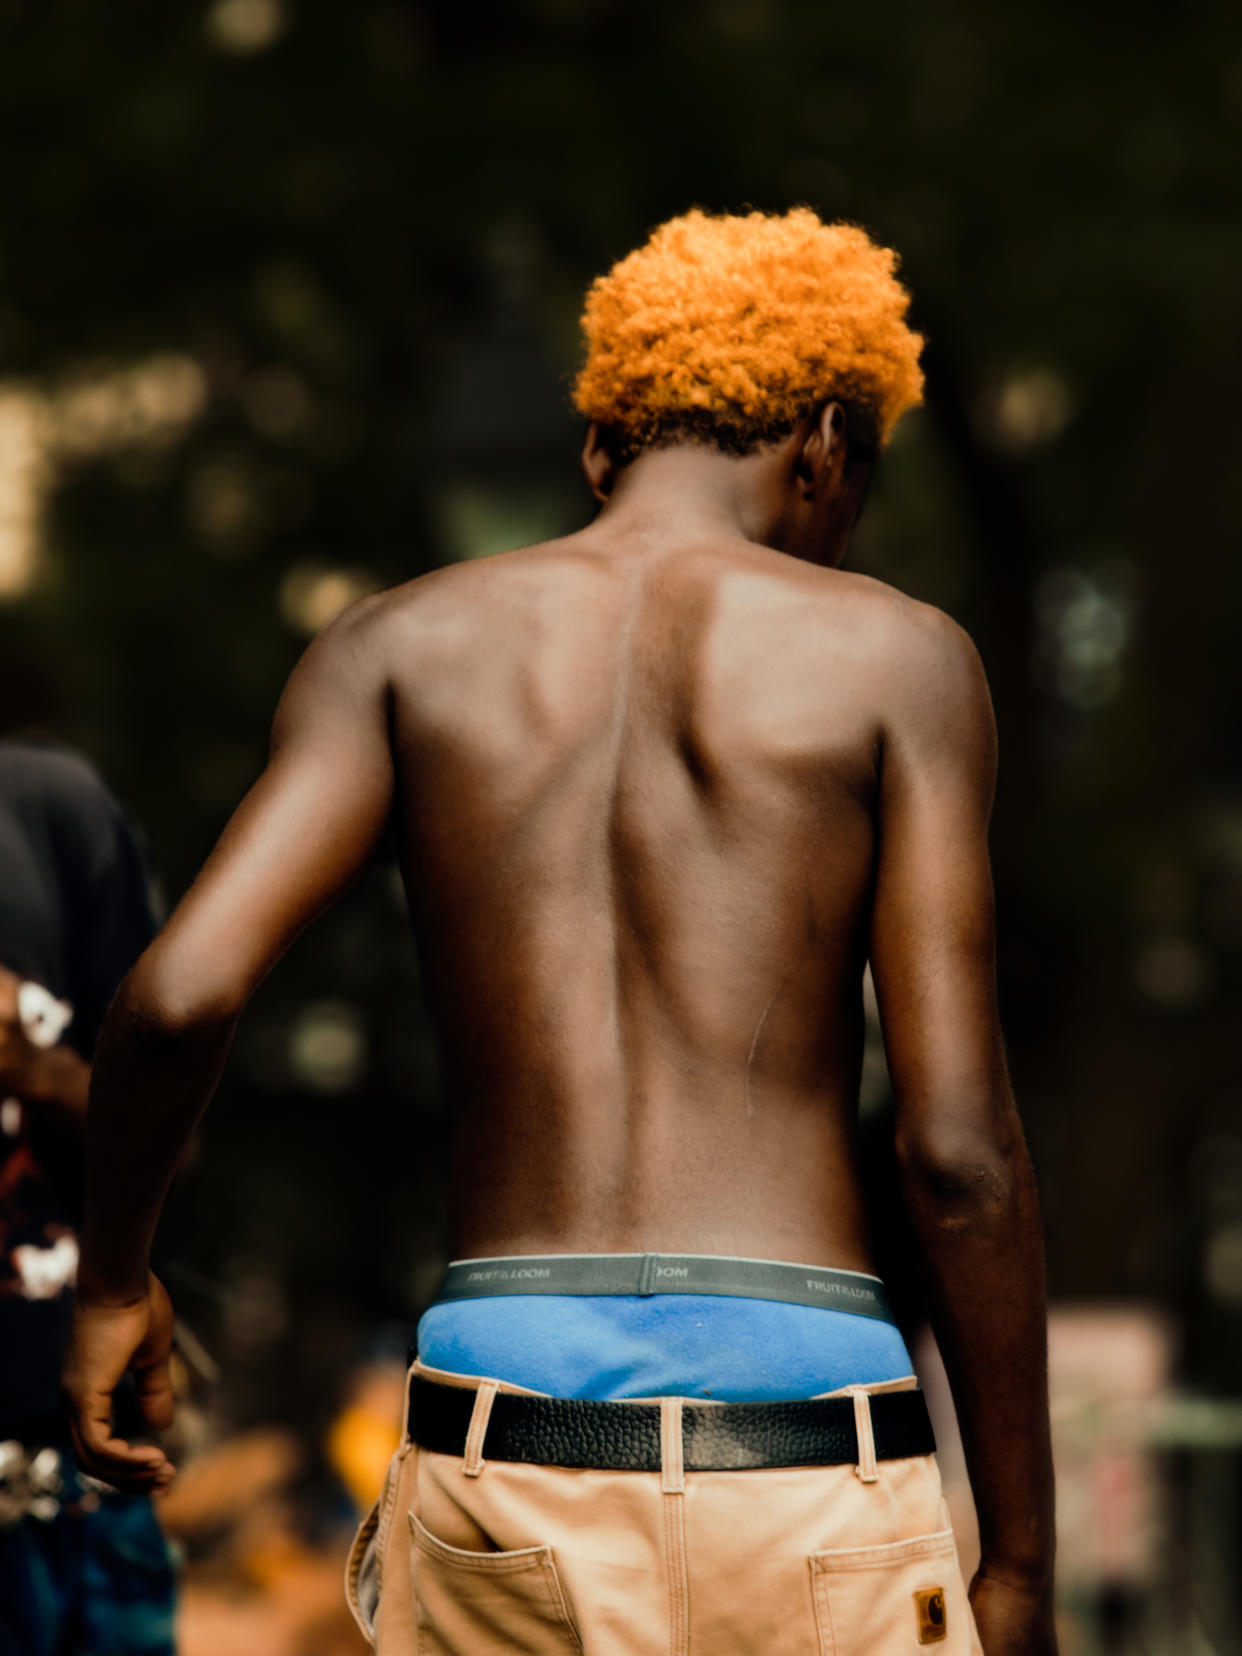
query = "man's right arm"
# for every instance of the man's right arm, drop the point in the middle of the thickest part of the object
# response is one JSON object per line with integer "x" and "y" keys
{"x": 300, "y": 837}
{"x": 966, "y": 1178}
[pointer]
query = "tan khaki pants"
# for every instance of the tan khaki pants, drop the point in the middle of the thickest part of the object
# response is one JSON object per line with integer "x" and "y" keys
{"x": 464, "y": 1557}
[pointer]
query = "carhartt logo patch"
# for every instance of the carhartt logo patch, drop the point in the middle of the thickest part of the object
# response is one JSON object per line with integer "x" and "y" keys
{"x": 932, "y": 1623}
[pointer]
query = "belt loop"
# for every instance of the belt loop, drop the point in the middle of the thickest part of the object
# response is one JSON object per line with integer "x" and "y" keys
{"x": 672, "y": 1455}
{"x": 866, "y": 1468}
{"x": 407, "y": 1426}
{"x": 479, "y": 1417}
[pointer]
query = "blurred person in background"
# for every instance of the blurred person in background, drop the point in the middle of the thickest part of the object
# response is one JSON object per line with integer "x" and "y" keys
{"x": 662, "y": 789}
{"x": 82, "y": 1570}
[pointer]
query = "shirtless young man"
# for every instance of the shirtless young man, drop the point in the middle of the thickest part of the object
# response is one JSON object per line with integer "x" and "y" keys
{"x": 662, "y": 789}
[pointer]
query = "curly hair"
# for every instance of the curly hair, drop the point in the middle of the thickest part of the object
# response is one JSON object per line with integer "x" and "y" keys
{"x": 728, "y": 329}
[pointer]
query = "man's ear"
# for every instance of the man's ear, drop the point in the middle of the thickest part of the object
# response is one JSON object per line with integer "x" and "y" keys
{"x": 823, "y": 447}
{"x": 598, "y": 466}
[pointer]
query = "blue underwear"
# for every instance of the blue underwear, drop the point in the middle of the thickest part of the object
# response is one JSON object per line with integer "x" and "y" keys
{"x": 660, "y": 1345}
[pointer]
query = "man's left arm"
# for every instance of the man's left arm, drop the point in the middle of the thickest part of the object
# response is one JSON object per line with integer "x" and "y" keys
{"x": 299, "y": 838}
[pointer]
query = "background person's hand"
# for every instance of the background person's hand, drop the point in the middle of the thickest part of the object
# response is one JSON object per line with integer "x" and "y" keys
{"x": 1012, "y": 1620}
{"x": 108, "y": 1339}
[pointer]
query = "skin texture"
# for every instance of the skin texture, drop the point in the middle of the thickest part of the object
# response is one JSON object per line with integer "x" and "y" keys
{"x": 661, "y": 789}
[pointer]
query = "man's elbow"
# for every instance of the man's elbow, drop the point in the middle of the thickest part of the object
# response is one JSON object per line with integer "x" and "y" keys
{"x": 964, "y": 1175}
{"x": 161, "y": 1002}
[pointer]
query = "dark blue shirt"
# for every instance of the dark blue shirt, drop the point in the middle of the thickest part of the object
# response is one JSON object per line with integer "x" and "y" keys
{"x": 76, "y": 911}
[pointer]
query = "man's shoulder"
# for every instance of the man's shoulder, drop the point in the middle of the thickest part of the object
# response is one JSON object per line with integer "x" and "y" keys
{"x": 409, "y": 634}
{"x": 929, "y": 679}
{"x": 445, "y": 604}
{"x": 923, "y": 674}
{"x": 448, "y": 586}
{"x": 355, "y": 640}
{"x": 906, "y": 618}
{"x": 892, "y": 625}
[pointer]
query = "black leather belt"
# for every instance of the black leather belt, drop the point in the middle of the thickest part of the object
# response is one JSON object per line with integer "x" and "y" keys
{"x": 625, "y": 1437}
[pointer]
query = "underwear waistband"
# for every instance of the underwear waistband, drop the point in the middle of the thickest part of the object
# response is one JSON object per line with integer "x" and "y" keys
{"x": 647, "y": 1274}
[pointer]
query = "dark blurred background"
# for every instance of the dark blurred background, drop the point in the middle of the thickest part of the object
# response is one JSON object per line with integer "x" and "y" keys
{"x": 288, "y": 307}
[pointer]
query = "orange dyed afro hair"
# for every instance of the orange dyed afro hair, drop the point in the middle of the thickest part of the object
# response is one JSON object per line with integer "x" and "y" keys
{"x": 729, "y": 329}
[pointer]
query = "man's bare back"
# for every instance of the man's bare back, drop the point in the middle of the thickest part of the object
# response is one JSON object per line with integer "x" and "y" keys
{"x": 661, "y": 791}
{"x": 638, "y": 785}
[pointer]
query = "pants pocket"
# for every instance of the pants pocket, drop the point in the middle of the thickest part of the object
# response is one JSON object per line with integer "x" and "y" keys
{"x": 362, "y": 1575}
{"x": 488, "y": 1603}
{"x": 893, "y": 1599}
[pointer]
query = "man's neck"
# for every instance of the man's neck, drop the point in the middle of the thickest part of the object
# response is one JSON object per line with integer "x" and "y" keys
{"x": 690, "y": 490}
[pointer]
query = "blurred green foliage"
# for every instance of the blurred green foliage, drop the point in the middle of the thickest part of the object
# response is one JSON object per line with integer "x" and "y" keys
{"x": 360, "y": 234}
